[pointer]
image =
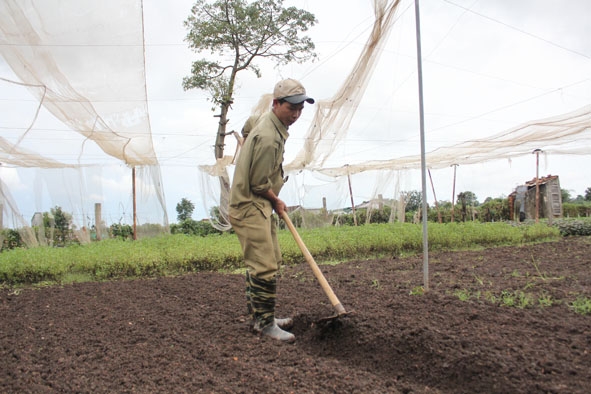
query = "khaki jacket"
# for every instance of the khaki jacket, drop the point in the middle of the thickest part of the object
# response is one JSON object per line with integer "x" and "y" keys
{"x": 259, "y": 167}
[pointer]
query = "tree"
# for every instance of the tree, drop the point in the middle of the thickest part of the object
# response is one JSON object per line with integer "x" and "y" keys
{"x": 238, "y": 32}
{"x": 413, "y": 200}
{"x": 494, "y": 210}
{"x": 565, "y": 195}
{"x": 184, "y": 209}
{"x": 588, "y": 194}
{"x": 469, "y": 198}
{"x": 61, "y": 221}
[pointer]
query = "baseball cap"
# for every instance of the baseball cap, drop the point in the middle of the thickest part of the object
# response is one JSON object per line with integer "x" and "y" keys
{"x": 291, "y": 91}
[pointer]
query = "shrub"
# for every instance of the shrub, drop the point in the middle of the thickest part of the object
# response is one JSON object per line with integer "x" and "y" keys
{"x": 10, "y": 239}
{"x": 569, "y": 227}
{"x": 193, "y": 227}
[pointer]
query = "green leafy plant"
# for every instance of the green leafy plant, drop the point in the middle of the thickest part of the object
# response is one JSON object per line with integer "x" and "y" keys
{"x": 463, "y": 294}
{"x": 545, "y": 300}
{"x": 573, "y": 227}
{"x": 582, "y": 305}
{"x": 516, "y": 298}
{"x": 417, "y": 290}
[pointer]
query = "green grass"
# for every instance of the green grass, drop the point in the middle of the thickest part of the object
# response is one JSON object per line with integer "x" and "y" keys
{"x": 178, "y": 254}
{"x": 582, "y": 306}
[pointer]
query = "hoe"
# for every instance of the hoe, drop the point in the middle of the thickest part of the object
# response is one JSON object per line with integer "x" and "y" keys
{"x": 340, "y": 310}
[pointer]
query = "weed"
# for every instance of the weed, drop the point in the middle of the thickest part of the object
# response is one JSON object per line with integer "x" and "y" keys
{"x": 529, "y": 285}
{"x": 545, "y": 300}
{"x": 490, "y": 297}
{"x": 299, "y": 276}
{"x": 417, "y": 290}
{"x": 515, "y": 274}
{"x": 543, "y": 275}
{"x": 582, "y": 305}
{"x": 478, "y": 279}
{"x": 517, "y": 299}
{"x": 463, "y": 294}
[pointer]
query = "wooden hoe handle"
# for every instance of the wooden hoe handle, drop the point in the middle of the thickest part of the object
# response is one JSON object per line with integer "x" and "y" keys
{"x": 317, "y": 273}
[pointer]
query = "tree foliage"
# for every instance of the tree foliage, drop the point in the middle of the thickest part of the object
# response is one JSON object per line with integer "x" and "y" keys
{"x": 262, "y": 28}
{"x": 494, "y": 210}
{"x": 588, "y": 194}
{"x": 468, "y": 198}
{"x": 235, "y": 33}
{"x": 413, "y": 200}
{"x": 62, "y": 219}
{"x": 121, "y": 231}
{"x": 184, "y": 209}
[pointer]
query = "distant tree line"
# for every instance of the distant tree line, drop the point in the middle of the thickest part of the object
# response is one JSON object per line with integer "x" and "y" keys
{"x": 58, "y": 228}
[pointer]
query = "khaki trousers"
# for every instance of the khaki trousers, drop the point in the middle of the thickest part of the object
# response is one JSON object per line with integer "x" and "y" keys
{"x": 257, "y": 234}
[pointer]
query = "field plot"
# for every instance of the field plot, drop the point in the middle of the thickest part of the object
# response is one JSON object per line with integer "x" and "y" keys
{"x": 500, "y": 320}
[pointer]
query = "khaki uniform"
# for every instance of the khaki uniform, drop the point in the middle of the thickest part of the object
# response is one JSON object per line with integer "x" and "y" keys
{"x": 258, "y": 169}
{"x": 249, "y": 125}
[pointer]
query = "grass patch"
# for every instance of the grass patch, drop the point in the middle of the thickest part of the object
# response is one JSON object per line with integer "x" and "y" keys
{"x": 171, "y": 255}
{"x": 582, "y": 306}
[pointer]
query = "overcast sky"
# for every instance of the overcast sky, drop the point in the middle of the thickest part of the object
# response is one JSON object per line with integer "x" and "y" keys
{"x": 488, "y": 66}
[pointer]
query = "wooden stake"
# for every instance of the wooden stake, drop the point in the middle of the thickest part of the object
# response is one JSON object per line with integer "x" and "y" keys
{"x": 435, "y": 197}
{"x": 351, "y": 194}
{"x": 97, "y": 220}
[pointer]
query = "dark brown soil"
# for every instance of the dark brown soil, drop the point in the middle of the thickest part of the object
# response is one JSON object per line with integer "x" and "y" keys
{"x": 188, "y": 334}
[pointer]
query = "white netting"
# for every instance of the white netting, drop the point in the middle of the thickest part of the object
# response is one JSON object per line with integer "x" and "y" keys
{"x": 84, "y": 65}
{"x": 75, "y": 116}
{"x": 322, "y": 167}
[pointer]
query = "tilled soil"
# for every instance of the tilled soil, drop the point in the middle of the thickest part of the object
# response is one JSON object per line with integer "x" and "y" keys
{"x": 189, "y": 334}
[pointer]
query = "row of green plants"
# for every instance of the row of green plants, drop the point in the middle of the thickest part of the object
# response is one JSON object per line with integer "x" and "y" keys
{"x": 494, "y": 210}
{"x": 58, "y": 230}
{"x": 522, "y": 299}
{"x": 179, "y": 253}
{"x": 11, "y": 238}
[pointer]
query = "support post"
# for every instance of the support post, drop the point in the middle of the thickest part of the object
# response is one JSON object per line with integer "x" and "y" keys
{"x": 97, "y": 221}
{"x": 423, "y": 157}
{"x": 134, "y": 203}
{"x": 351, "y": 194}
{"x": 453, "y": 194}
{"x": 537, "y": 152}
{"x": 435, "y": 197}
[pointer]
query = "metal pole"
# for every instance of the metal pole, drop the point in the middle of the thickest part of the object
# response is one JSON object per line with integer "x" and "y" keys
{"x": 423, "y": 160}
{"x": 134, "y": 204}
{"x": 453, "y": 194}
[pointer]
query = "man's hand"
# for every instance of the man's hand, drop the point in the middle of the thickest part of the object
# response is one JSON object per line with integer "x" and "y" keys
{"x": 278, "y": 205}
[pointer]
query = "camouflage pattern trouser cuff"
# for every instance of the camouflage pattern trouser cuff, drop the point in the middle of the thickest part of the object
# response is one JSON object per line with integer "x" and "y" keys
{"x": 260, "y": 298}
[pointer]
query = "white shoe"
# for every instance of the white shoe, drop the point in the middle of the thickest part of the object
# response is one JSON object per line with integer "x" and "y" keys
{"x": 285, "y": 323}
{"x": 274, "y": 332}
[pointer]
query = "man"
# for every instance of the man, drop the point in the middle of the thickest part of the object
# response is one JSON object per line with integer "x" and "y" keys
{"x": 249, "y": 125}
{"x": 258, "y": 179}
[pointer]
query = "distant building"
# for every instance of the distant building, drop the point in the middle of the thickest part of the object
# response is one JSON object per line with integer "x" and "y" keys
{"x": 522, "y": 202}
{"x": 37, "y": 220}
